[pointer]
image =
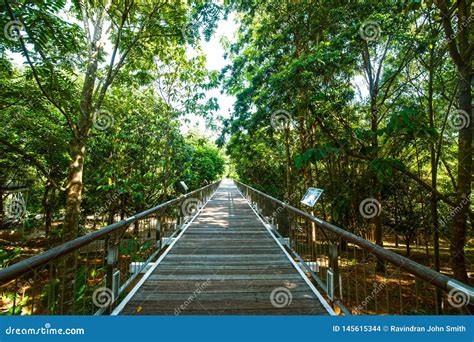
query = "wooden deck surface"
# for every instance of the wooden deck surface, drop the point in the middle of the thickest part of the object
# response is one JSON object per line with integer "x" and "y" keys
{"x": 226, "y": 262}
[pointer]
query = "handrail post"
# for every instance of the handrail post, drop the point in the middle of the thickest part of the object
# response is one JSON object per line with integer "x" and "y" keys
{"x": 179, "y": 219}
{"x": 334, "y": 267}
{"x": 289, "y": 232}
{"x": 112, "y": 261}
{"x": 158, "y": 232}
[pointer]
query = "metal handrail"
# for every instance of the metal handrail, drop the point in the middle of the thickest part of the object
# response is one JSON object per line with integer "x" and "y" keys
{"x": 11, "y": 272}
{"x": 438, "y": 279}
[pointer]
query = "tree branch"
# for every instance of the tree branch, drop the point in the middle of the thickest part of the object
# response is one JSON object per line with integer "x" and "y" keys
{"x": 406, "y": 172}
{"x": 449, "y": 32}
{"x": 30, "y": 158}
{"x": 36, "y": 75}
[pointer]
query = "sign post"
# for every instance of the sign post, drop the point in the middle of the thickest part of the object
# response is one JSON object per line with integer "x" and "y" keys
{"x": 309, "y": 199}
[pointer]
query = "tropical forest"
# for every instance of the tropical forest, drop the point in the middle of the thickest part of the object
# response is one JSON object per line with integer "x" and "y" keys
{"x": 173, "y": 157}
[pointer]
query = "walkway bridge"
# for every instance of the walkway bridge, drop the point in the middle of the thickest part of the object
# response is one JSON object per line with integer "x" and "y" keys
{"x": 226, "y": 249}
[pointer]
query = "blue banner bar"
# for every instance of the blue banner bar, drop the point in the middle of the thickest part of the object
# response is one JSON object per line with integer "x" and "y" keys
{"x": 237, "y": 328}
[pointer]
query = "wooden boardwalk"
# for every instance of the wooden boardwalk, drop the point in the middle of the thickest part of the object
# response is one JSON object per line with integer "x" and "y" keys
{"x": 225, "y": 262}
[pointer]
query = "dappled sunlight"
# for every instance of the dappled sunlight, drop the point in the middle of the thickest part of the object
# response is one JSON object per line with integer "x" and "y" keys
{"x": 236, "y": 157}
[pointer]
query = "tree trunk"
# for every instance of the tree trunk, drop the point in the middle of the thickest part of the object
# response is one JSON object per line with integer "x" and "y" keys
{"x": 111, "y": 216}
{"x": 1, "y": 206}
{"x": 123, "y": 207}
{"x": 289, "y": 188}
{"x": 408, "y": 247}
{"x": 136, "y": 228}
{"x": 74, "y": 191}
{"x": 303, "y": 147}
{"x": 461, "y": 49}
{"x": 72, "y": 218}
{"x": 47, "y": 209}
{"x": 82, "y": 131}
{"x": 434, "y": 158}
{"x": 434, "y": 169}
{"x": 378, "y": 232}
{"x": 458, "y": 235}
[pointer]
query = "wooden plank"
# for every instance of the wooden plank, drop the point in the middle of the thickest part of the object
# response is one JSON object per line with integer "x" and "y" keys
{"x": 227, "y": 251}
{"x": 213, "y": 267}
{"x": 220, "y": 304}
{"x": 222, "y": 257}
{"x": 248, "y": 277}
{"x": 219, "y": 296}
{"x": 139, "y": 310}
{"x": 242, "y": 263}
{"x": 166, "y": 287}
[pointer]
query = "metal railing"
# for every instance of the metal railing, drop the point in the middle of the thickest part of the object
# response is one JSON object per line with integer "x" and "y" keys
{"x": 357, "y": 276}
{"x": 92, "y": 273}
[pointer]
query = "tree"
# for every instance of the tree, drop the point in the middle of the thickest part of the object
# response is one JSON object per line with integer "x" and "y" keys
{"x": 309, "y": 60}
{"x": 461, "y": 49}
{"x": 76, "y": 54}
